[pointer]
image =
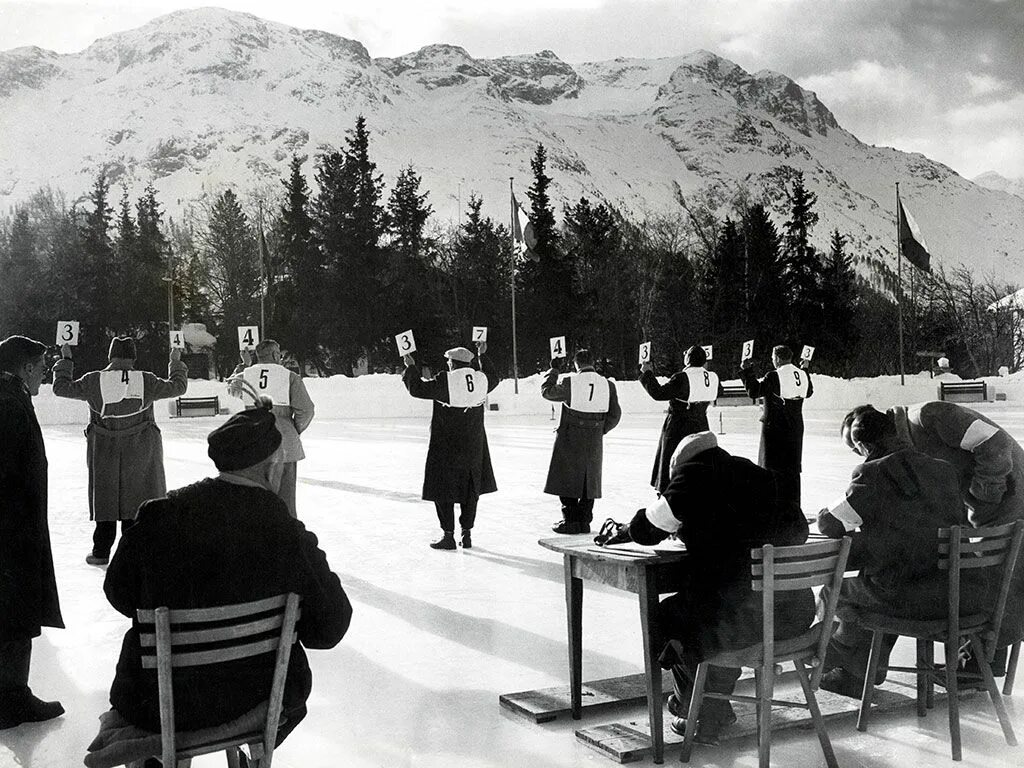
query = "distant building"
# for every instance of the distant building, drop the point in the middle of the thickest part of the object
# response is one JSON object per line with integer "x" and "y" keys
{"x": 1014, "y": 305}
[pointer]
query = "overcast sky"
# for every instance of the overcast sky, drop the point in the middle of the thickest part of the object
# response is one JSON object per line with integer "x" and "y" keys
{"x": 941, "y": 77}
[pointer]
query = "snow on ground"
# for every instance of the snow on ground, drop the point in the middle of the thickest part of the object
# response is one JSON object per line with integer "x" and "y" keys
{"x": 437, "y": 636}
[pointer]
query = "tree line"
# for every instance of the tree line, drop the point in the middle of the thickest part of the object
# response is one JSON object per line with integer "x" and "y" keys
{"x": 337, "y": 272}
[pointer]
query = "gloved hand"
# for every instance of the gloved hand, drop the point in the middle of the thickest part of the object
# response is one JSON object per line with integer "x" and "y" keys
{"x": 612, "y": 533}
{"x": 980, "y": 512}
{"x": 747, "y": 363}
{"x": 556, "y": 363}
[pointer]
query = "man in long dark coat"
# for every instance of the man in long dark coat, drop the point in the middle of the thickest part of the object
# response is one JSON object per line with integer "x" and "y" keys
{"x": 689, "y": 393}
{"x": 124, "y": 449}
{"x": 897, "y": 500}
{"x": 721, "y": 507}
{"x": 28, "y": 589}
{"x": 590, "y": 410}
{"x": 782, "y": 420}
{"x": 458, "y": 468}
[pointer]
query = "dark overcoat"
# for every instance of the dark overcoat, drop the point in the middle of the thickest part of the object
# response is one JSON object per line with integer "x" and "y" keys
{"x": 28, "y": 589}
{"x": 458, "y": 465}
{"x": 988, "y": 465}
{"x": 124, "y": 450}
{"x": 782, "y": 422}
{"x": 683, "y": 418}
{"x": 723, "y": 506}
{"x": 217, "y": 543}
{"x": 578, "y": 454}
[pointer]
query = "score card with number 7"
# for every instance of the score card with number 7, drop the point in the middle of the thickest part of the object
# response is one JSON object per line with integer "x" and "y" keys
{"x": 479, "y": 333}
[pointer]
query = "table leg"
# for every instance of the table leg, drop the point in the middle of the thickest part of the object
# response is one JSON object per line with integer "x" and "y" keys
{"x": 652, "y": 672}
{"x": 574, "y": 616}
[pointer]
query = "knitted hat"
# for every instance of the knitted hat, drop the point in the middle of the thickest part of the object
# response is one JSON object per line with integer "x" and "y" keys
{"x": 246, "y": 439}
{"x": 691, "y": 445}
{"x": 459, "y": 355}
{"x": 122, "y": 347}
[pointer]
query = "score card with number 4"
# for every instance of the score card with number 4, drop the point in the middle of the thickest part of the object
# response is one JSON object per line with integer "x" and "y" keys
{"x": 248, "y": 336}
{"x": 177, "y": 340}
{"x": 807, "y": 353}
{"x": 67, "y": 332}
{"x": 645, "y": 352}
{"x": 406, "y": 343}
{"x": 557, "y": 346}
{"x": 479, "y": 333}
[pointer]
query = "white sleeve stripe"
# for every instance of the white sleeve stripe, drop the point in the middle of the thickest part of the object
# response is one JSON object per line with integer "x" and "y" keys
{"x": 976, "y": 434}
{"x": 844, "y": 512}
{"x": 660, "y": 516}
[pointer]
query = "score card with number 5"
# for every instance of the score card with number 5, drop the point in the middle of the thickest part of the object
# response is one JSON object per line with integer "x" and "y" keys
{"x": 248, "y": 336}
{"x": 479, "y": 333}
{"x": 645, "y": 352}
{"x": 406, "y": 343}
{"x": 557, "y": 346}
{"x": 67, "y": 332}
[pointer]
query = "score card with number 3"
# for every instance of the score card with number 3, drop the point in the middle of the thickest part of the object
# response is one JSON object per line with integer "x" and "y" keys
{"x": 406, "y": 343}
{"x": 67, "y": 332}
{"x": 807, "y": 353}
{"x": 748, "y": 350}
{"x": 645, "y": 352}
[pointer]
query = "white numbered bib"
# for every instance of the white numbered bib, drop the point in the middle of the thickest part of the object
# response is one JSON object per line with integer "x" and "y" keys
{"x": 270, "y": 379}
{"x": 793, "y": 382}
{"x": 116, "y": 386}
{"x": 590, "y": 392}
{"x": 703, "y": 385}
{"x": 467, "y": 388}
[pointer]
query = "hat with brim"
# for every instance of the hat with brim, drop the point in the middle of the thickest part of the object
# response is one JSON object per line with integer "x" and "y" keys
{"x": 459, "y": 354}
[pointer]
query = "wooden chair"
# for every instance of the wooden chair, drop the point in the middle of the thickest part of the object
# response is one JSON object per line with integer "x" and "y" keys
{"x": 1011, "y": 668}
{"x": 960, "y": 549}
{"x": 238, "y": 630}
{"x": 781, "y": 569}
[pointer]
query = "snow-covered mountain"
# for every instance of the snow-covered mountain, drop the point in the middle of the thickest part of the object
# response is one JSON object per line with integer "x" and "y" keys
{"x": 196, "y": 100}
{"x": 993, "y": 180}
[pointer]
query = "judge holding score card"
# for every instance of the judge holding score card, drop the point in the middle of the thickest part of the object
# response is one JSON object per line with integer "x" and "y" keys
{"x": 590, "y": 409}
{"x": 782, "y": 421}
{"x": 689, "y": 392}
{"x": 293, "y": 408}
{"x": 458, "y": 467}
{"x": 124, "y": 450}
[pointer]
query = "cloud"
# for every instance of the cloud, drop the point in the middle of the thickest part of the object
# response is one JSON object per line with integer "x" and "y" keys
{"x": 984, "y": 84}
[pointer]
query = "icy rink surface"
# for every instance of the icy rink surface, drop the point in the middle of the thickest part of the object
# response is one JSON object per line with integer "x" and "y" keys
{"x": 437, "y": 636}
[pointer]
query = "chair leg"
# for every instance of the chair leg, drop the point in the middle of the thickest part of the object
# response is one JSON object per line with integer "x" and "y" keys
{"x": 953, "y": 698}
{"x": 1011, "y": 669}
{"x": 993, "y": 690}
{"x": 929, "y": 658}
{"x": 869, "y": 681}
{"x": 764, "y": 714}
{"x": 923, "y": 669}
{"x": 233, "y": 759}
{"x": 819, "y": 724}
{"x": 696, "y": 699}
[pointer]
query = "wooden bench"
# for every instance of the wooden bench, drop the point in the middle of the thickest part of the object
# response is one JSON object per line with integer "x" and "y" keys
{"x": 197, "y": 406}
{"x": 734, "y": 394}
{"x": 963, "y": 391}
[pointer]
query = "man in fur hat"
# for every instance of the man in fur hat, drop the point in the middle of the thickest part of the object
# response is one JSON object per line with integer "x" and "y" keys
{"x": 124, "y": 450}
{"x": 458, "y": 468}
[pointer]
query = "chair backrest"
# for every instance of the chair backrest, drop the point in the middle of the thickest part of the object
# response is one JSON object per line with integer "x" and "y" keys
{"x": 785, "y": 569}
{"x": 183, "y": 638}
{"x": 964, "y": 548}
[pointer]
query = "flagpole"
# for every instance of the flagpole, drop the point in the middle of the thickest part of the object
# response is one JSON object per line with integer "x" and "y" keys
{"x": 512, "y": 234}
{"x": 899, "y": 275}
{"x": 263, "y": 273}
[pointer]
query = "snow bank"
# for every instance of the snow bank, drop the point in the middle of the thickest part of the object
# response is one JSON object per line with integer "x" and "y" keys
{"x": 384, "y": 396}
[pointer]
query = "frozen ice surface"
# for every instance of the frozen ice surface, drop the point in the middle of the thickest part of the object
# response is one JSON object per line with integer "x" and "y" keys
{"x": 437, "y": 636}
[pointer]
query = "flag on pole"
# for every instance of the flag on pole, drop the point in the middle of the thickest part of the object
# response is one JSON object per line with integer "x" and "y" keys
{"x": 522, "y": 231}
{"x": 912, "y": 241}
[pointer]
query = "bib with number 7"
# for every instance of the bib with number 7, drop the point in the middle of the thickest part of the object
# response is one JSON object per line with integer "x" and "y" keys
{"x": 590, "y": 392}
{"x": 116, "y": 386}
{"x": 467, "y": 388}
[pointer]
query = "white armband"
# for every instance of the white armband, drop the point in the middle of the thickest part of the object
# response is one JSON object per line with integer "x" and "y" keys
{"x": 976, "y": 434}
{"x": 844, "y": 512}
{"x": 660, "y": 516}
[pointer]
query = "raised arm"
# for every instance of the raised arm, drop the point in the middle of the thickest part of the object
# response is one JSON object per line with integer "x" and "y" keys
{"x": 553, "y": 389}
{"x": 174, "y": 385}
{"x": 64, "y": 382}
{"x": 677, "y": 387}
{"x": 424, "y": 389}
{"x": 755, "y": 387}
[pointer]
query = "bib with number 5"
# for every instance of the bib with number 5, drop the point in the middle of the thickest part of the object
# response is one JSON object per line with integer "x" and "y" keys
{"x": 270, "y": 379}
{"x": 590, "y": 392}
{"x": 467, "y": 388}
{"x": 793, "y": 382}
{"x": 116, "y": 386}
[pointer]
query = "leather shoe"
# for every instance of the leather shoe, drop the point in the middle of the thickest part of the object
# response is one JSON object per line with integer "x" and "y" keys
{"x": 839, "y": 681}
{"x": 30, "y": 709}
{"x": 92, "y": 559}
{"x": 564, "y": 526}
{"x": 447, "y": 541}
{"x": 707, "y": 731}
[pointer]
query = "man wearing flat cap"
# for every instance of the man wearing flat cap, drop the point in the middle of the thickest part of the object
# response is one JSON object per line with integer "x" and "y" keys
{"x": 124, "y": 449}
{"x": 458, "y": 468}
{"x": 223, "y": 540}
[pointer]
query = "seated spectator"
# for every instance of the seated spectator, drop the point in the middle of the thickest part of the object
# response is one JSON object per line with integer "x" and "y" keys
{"x": 224, "y": 540}
{"x": 895, "y": 504}
{"x": 721, "y": 507}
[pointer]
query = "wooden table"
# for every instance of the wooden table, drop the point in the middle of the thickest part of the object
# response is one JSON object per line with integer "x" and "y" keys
{"x": 646, "y": 574}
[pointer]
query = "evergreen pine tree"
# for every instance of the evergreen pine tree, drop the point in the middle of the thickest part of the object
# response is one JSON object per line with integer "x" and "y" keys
{"x": 724, "y": 289}
{"x": 838, "y": 333}
{"x": 99, "y": 297}
{"x": 801, "y": 264}
{"x": 408, "y": 211}
{"x": 766, "y": 304}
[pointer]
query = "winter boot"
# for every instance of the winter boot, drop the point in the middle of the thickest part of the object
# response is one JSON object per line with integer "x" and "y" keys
{"x": 467, "y": 538}
{"x": 447, "y": 541}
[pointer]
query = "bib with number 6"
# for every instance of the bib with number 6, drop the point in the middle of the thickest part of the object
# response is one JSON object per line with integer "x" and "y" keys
{"x": 116, "y": 386}
{"x": 270, "y": 379}
{"x": 703, "y": 385}
{"x": 467, "y": 388}
{"x": 590, "y": 392}
{"x": 793, "y": 382}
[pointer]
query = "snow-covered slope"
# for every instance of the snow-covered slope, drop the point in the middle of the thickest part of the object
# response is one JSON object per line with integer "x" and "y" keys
{"x": 996, "y": 181}
{"x": 199, "y": 99}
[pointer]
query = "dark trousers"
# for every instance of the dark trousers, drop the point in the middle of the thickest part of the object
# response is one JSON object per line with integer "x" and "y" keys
{"x": 577, "y": 510}
{"x": 289, "y": 479}
{"x": 850, "y": 647}
{"x": 15, "y": 656}
{"x": 714, "y": 713}
{"x": 446, "y": 514}
{"x": 104, "y": 535}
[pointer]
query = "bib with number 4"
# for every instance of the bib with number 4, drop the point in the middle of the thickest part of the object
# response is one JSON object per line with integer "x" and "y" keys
{"x": 590, "y": 392}
{"x": 793, "y": 382}
{"x": 467, "y": 388}
{"x": 703, "y": 385}
{"x": 116, "y": 386}
{"x": 270, "y": 379}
